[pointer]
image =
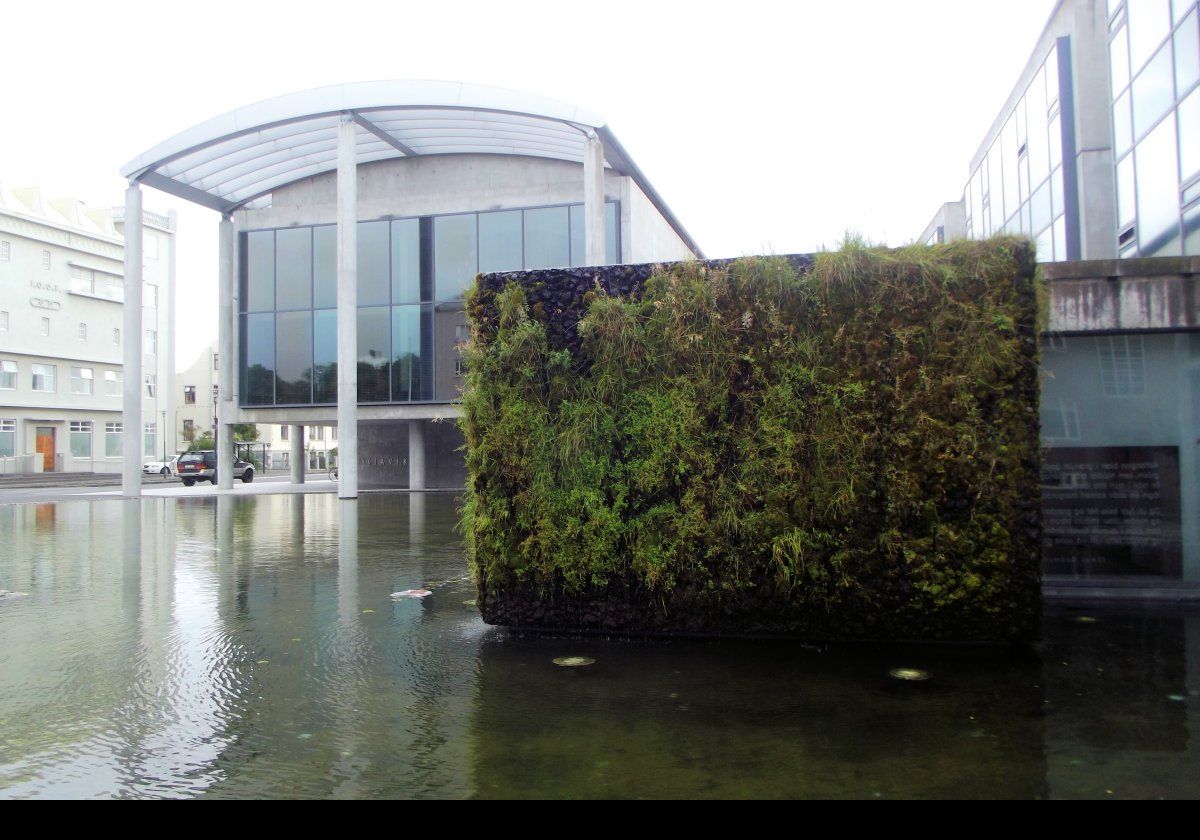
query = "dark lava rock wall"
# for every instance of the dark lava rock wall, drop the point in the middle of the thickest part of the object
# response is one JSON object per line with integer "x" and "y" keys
{"x": 836, "y": 446}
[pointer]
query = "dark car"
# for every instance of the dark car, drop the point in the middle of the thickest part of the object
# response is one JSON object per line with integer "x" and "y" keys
{"x": 202, "y": 466}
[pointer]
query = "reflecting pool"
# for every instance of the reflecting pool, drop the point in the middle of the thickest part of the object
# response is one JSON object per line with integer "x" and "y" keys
{"x": 247, "y": 647}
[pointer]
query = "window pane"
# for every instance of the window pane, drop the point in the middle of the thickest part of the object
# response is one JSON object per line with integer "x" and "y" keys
{"x": 112, "y": 444}
{"x": 1149, "y": 23}
{"x": 1158, "y": 193}
{"x": 406, "y": 261}
{"x": 293, "y": 358}
{"x": 500, "y": 241}
{"x": 293, "y": 268}
{"x": 547, "y": 238}
{"x": 324, "y": 266}
{"x": 8, "y": 443}
{"x": 258, "y": 372}
{"x": 1038, "y": 150}
{"x": 374, "y": 259}
{"x": 1008, "y": 146}
{"x": 1052, "y": 81}
{"x": 1122, "y": 126}
{"x": 1189, "y": 135}
{"x": 259, "y": 294}
{"x": 1040, "y": 207}
{"x": 1118, "y": 49}
{"x": 374, "y": 350}
{"x": 1153, "y": 92}
{"x": 1056, "y": 193}
{"x": 412, "y": 353}
{"x": 325, "y": 356}
{"x": 454, "y": 254}
{"x": 81, "y": 444}
{"x": 1126, "y": 197}
{"x": 1187, "y": 54}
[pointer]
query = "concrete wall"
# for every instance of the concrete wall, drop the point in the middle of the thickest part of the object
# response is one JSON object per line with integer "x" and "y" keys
{"x": 651, "y": 238}
{"x": 1124, "y": 295}
{"x": 383, "y": 455}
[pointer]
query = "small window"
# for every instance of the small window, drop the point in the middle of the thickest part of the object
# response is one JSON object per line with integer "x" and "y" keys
{"x": 5, "y": 251}
{"x": 283, "y": 432}
{"x": 460, "y": 366}
{"x": 46, "y": 260}
{"x": 151, "y": 342}
{"x": 116, "y": 336}
{"x": 1122, "y": 365}
{"x": 151, "y": 385}
{"x": 462, "y": 334}
{"x": 150, "y": 298}
{"x": 215, "y": 357}
{"x": 8, "y": 437}
{"x": 81, "y": 438}
{"x": 81, "y": 381}
{"x": 83, "y": 332}
{"x": 45, "y": 328}
{"x": 112, "y": 439}
{"x": 216, "y": 393}
{"x": 113, "y": 383}
{"x": 150, "y": 439}
{"x": 189, "y": 394}
{"x": 44, "y": 377}
{"x": 8, "y": 375}
{"x": 83, "y": 280}
{"x": 3, "y": 322}
{"x": 318, "y": 433}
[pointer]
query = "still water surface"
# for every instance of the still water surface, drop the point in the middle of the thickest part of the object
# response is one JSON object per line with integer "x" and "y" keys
{"x": 242, "y": 647}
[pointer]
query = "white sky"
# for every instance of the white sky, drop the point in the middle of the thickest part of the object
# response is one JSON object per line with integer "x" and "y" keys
{"x": 766, "y": 126}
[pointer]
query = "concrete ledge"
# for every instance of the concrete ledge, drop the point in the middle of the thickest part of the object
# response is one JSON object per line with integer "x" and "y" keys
{"x": 1120, "y": 589}
{"x": 1124, "y": 295}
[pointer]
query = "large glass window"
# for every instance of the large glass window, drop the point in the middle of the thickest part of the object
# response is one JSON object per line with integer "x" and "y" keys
{"x": 547, "y": 238}
{"x": 1189, "y": 135}
{"x": 258, "y": 294}
{"x": 1149, "y": 24}
{"x": 412, "y": 353}
{"x": 1153, "y": 92}
{"x": 374, "y": 354}
{"x": 406, "y": 263}
{"x": 293, "y": 268}
{"x": 1156, "y": 163}
{"x": 500, "y": 241}
{"x": 374, "y": 260}
{"x": 293, "y": 358}
{"x": 113, "y": 383}
{"x": 455, "y": 254}
{"x": 325, "y": 356}
{"x": 324, "y": 266}
{"x": 258, "y": 343}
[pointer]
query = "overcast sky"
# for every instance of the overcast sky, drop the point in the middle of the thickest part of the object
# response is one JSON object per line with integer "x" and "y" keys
{"x": 767, "y": 127}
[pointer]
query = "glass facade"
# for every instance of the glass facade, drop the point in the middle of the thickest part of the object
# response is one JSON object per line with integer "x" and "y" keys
{"x": 1019, "y": 187}
{"x": 1154, "y": 55}
{"x": 406, "y": 267}
{"x": 1121, "y": 482}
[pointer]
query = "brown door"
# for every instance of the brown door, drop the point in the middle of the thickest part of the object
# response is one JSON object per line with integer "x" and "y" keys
{"x": 45, "y": 447}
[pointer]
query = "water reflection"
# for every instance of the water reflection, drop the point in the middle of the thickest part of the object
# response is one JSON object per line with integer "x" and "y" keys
{"x": 235, "y": 647}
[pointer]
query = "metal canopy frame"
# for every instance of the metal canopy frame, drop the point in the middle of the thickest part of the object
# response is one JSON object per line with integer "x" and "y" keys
{"x": 240, "y": 158}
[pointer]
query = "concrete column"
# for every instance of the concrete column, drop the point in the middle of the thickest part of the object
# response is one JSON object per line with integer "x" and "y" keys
{"x": 296, "y": 439}
{"x": 347, "y": 309}
{"x": 227, "y": 364}
{"x": 347, "y": 576}
{"x": 416, "y": 454}
{"x": 131, "y": 439}
{"x": 593, "y": 201}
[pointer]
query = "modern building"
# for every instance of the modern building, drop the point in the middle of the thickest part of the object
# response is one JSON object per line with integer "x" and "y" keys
{"x": 63, "y": 381}
{"x": 1096, "y": 152}
{"x": 1095, "y": 156}
{"x": 355, "y": 216}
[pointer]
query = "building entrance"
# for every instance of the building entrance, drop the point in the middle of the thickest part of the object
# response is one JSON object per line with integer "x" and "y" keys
{"x": 45, "y": 447}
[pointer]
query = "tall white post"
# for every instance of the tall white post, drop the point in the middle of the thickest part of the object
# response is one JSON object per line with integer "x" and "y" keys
{"x": 347, "y": 308}
{"x": 416, "y": 454}
{"x": 227, "y": 364}
{"x": 296, "y": 458}
{"x": 131, "y": 438}
{"x": 593, "y": 201}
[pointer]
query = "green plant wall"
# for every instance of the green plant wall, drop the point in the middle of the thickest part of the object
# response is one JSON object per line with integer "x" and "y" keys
{"x": 841, "y": 446}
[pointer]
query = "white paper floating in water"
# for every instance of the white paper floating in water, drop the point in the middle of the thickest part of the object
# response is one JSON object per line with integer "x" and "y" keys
{"x": 908, "y": 674}
{"x": 574, "y": 661}
{"x": 411, "y": 594}
{"x": 5, "y": 594}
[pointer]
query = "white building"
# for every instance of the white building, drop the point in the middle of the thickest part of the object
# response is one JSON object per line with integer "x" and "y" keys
{"x": 62, "y": 334}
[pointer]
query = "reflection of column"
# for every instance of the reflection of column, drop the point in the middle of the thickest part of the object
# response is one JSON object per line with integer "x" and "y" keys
{"x": 1189, "y": 457}
{"x": 416, "y": 518}
{"x": 297, "y": 501}
{"x": 348, "y": 561}
{"x": 416, "y": 454}
{"x": 225, "y": 531}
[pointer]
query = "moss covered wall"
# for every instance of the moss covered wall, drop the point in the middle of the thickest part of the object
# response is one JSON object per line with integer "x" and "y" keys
{"x": 838, "y": 446}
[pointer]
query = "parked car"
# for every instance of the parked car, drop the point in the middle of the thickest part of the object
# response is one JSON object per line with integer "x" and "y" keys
{"x": 163, "y": 468}
{"x": 202, "y": 466}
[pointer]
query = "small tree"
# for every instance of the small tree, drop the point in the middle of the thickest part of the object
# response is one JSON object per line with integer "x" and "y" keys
{"x": 245, "y": 432}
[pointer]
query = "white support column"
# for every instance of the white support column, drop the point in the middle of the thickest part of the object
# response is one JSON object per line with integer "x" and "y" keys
{"x": 347, "y": 308}
{"x": 416, "y": 454}
{"x": 593, "y": 201}
{"x": 131, "y": 439}
{"x": 226, "y": 362}
{"x": 296, "y": 439}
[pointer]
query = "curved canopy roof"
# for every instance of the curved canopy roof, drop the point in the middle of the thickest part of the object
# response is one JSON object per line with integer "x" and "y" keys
{"x": 237, "y": 159}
